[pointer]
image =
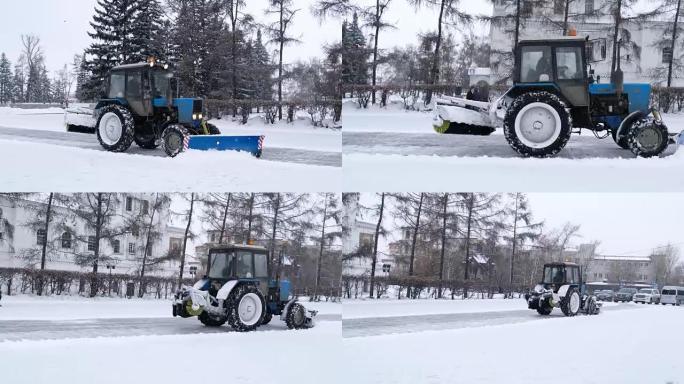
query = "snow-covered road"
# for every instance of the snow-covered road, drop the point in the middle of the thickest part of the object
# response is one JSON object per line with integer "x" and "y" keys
{"x": 362, "y": 327}
{"x": 15, "y": 330}
{"x": 89, "y": 141}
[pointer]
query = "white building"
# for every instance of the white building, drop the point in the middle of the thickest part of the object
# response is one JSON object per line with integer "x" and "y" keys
{"x": 644, "y": 61}
{"x": 18, "y": 240}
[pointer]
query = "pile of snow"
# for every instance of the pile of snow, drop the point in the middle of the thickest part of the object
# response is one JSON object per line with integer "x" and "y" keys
{"x": 47, "y": 119}
{"x": 24, "y": 307}
{"x": 69, "y": 169}
{"x": 277, "y": 356}
{"x": 358, "y": 309}
{"x": 613, "y": 347}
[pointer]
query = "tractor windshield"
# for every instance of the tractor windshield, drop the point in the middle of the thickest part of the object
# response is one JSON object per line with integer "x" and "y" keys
{"x": 162, "y": 80}
{"x": 221, "y": 265}
{"x": 554, "y": 274}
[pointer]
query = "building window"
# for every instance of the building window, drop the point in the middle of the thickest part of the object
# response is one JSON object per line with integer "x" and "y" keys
{"x": 116, "y": 244}
{"x": 91, "y": 243}
{"x": 589, "y": 7}
{"x": 527, "y": 8}
{"x": 366, "y": 240}
{"x": 41, "y": 237}
{"x": 129, "y": 203}
{"x": 131, "y": 248}
{"x": 145, "y": 207}
{"x": 66, "y": 240}
{"x": 559, "y": 7}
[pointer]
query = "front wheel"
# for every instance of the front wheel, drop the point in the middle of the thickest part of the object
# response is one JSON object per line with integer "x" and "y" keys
{"x": 537, "y": 124}
{"x": 647, "y": 138}
{"x": 209, "y": 321}
{"x": 296, "y": 316}
{"x": 175, "y": 139}
{"x": 544, "y": 309}
{"x": 570, "y": 304}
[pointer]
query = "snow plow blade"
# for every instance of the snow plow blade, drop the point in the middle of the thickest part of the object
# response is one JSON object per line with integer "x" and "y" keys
{"x": 250, "y": 144}
{"x": 463, "y": 117}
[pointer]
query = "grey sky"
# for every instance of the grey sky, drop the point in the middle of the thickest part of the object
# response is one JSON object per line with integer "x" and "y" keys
{"x": 627, "y": 224}
{"x": 62, "y": 26}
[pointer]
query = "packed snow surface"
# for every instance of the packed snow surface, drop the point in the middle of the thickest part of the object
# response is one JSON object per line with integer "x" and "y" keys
{"x": 41, "y": 167}
{"x": 356, "y": 309}
{"x": 640, "y": 344}
{"x": 78, "y": 308}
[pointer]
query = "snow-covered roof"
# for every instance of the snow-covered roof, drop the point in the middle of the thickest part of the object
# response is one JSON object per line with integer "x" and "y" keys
{"x": 624, "y": 258}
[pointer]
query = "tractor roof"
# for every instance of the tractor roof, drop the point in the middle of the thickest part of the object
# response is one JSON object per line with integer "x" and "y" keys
{"x": 559, "y": 39}
{"x": 238, "y": 246}
{"x": 562, "y": 264}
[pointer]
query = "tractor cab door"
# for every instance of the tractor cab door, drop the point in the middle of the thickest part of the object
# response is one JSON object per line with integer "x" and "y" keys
{"x": 249, "y": 267}
{"x": 135, "y": 93}
{"x": 571, "y": 75}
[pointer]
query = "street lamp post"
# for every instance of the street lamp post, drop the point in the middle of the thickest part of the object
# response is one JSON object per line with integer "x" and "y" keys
{"x": 110, "y": 267}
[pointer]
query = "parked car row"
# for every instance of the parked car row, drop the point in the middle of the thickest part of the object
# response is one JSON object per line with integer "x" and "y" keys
{"x": 670, "y": 295}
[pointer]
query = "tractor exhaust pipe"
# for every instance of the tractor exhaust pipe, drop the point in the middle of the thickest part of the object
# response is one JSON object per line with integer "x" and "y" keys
{"x": 618, "y": 76}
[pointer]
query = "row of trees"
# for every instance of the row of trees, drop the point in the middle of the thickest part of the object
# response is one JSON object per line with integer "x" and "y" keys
{"x": 463, "y": 238}
{"x": 88, "y": 229}
{"x": 437, "y": 59}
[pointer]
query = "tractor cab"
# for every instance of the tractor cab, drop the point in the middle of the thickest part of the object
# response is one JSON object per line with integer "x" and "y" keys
{"x": 559, "y": 64}
{"x": 557, "y": 275}
{"x": 238, "y": 262}
{"x": 141, "y": 86}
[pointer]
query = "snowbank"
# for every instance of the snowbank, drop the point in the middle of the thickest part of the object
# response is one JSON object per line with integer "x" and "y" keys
{"x": 630, "y": 346}
{"x": 277, "y": 356}
{"x": 80, "y": 308}
{"x": 419, "y": 173}
{"x": 48, "y": 119}
{"x": 41, "y": 167}
{"x": 357, "y": 309}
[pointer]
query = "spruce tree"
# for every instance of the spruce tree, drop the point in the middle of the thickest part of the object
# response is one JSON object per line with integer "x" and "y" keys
{"x": 147, "y": 34}
{"x": 355, "y": 54}
{"x": 6, "y": 81}
{"x": 263, "y": 70}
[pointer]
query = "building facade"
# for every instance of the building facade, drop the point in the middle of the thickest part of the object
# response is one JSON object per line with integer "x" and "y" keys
{"x": 21, "y": 243}
{"x": 646, "y": 52}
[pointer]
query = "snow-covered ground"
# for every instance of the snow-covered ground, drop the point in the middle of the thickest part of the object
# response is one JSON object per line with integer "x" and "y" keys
{"x": 357, "y": 309}
{"x": 297, "y": 157}
{"x": 626, "y": 343}
{"x": 72, "y": 340}
{"x": 394, "y": 150}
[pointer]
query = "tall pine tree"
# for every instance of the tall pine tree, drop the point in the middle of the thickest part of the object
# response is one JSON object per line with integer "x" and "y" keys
{"x": 6, "y": 81}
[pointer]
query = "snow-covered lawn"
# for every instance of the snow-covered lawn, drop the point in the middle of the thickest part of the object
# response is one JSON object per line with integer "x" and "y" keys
{"x": 41, "y": 167}
{"x": 357, "y": 309}
{"x": 276, "y": 356}
{"x": 48, "y": 119}
{"x": 639, "y": 345}
{"x": 79, "y": 308}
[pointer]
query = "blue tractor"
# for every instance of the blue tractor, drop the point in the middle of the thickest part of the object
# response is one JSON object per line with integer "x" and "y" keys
{"x": 554, "y": 92}
{"x": 139, "y": 107}
{"x": 239, "y": 290}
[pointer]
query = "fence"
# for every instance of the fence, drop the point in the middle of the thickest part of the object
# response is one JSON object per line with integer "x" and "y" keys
{"x": 51, "y": 282}
{"x": 420, "y": 286}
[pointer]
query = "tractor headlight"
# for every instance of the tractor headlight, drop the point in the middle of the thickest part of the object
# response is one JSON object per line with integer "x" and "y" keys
{"x": 194, "y": 116}
{"x": 199, "y": 116}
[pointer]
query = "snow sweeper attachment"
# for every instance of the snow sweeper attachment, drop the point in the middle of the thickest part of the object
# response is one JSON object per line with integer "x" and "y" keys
{"x": 554, "y": 93}
{"x": 562, "y": 287}
{"x": 238, "y": 290}
{"x": 139, "y": 106}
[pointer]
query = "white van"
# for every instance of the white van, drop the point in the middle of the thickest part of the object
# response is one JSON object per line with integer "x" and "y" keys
{"x": 672, "y": 295}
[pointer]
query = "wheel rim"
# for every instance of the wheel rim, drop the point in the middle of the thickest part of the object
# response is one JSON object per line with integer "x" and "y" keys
{"x": 649, "y": 138}
{"x": 249, "y": 309}
{"x": 110, "y": 128}
{"x": 537, "y": 125}
{"x": 574, "y": 302}
{"x": 173, "y": 142}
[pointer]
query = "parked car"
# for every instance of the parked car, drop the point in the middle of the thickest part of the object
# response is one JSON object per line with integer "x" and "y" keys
{"x": 625, "y": 295}
{"x": 647, "y": 295}
{"x": 605, "y": 295}
{"x": 672, "y": 295}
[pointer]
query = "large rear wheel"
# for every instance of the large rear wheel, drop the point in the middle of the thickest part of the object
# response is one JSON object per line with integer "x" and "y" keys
{"x": 537, "y": 124}
{"x": 570, "y": 304}
{"x": 115, "y": 128}
{"x": 246, "y": 308}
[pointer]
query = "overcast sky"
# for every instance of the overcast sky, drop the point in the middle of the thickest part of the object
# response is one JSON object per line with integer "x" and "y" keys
{"x": 627, "y": 224}
{"x": 63, "y": 26}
